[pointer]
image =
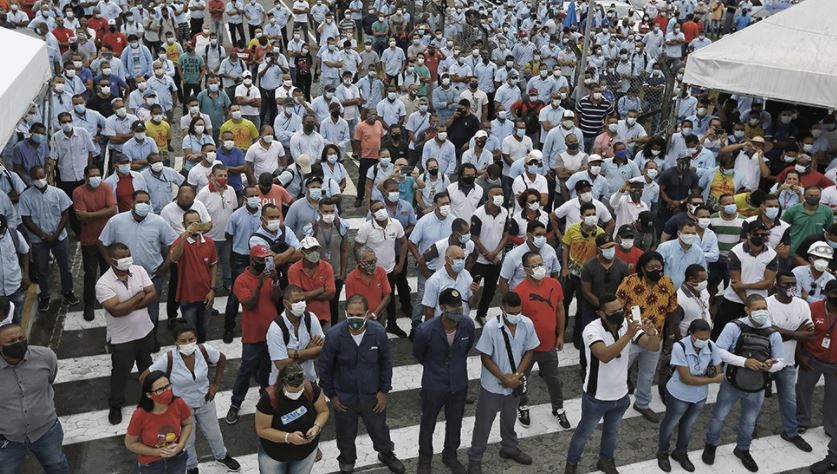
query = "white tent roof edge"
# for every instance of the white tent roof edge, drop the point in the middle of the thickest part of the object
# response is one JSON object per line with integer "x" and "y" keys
{"x": 23, "y": 77}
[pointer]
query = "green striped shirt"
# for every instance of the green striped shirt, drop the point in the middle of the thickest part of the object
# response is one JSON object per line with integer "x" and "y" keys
{"x": 728, "y": 231}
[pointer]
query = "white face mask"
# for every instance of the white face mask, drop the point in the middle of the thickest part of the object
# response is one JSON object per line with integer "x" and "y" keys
{"x": 586, "y": 197}
{"x": 821, "y": 264}
{"x": 444, "y": 210}
{"x": 124, "y": 264}
{"x": 293, "y": 395}
{"x": 157, "y": 167}
{"x": 381, "y": 215}
{"x": 595, "y": 170}
{"x": 539, "y": 272}
{"x": 590, "y": 220}
{"x": 187, "y": 349}
{"x": 298, "y": 308}
{"x": 627, "y": 244}
{"x": 273, "y": 225}
{"x": 701, "y": 286}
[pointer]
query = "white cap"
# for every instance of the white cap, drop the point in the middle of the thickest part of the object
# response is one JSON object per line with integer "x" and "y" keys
{"x": 821, "y": 249}
{"x": 309, "y": 243}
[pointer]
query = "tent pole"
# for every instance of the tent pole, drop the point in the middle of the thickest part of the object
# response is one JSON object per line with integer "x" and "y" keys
{"x": 588, "y": 33}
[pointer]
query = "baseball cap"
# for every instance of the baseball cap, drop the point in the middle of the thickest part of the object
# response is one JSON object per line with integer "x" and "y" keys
{"x": 313, "y": 179}
{"x": 821, "y": 249}
{"x": 594, "y": 157}
{"x": 569, "y": 114}
{"x": 626, "y": 231}
{"x": 450, "y": 296}
{"x": 309, "y": 243}
{"x": 758, "y": 140}
{"x": 260, "y": 251}
{"x": 604, "y": 240}
{"x": 531, "y": 157}
{"x": 480, "y": 134}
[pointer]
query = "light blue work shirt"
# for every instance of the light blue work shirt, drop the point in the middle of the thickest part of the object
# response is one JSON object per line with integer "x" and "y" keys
{"x": 676, "y": 259}
{"x": 430, "y": 229}
{"x": 10, "y": 273}
{"x": 241, "y": 226}
{"x": 492, "y": 344}
{"x": 513, "y": 271}
{"x": 301, "y": 213}
{"x": 139, "y": 150}
{"x": 45, "y": 208}
{"x": 684, "y": 354}
{"x": 147, "y": 238}
{"x": 159, "y": 186}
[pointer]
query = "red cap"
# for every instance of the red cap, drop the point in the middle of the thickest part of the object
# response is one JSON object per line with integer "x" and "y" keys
{"x": 260, "y": 251}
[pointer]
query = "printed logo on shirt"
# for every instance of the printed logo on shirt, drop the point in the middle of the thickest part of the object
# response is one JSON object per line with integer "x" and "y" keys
{"x": 294, "y": 415}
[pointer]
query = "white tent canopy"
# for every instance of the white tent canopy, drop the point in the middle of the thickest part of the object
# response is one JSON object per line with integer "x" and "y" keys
{"x": 25, "y": 70}
{"x": 790, "y": 56}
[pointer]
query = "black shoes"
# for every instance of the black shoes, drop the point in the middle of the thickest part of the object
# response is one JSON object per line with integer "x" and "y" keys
{"x": 88, "y": 313}
{"x": 562, "y": 419}
{"x": 663, "y": 462}
{"x": 518, "y": 456}
{"x": 393, "y": 328}
{"x": 746, "y": 460}
{"x": 708, "y": 455}
{"x": 228, "y": 337}
{"x": 570, "y": 468}
{"x": 607, "y": 466}
{"x": 455, "y": 466}
{"x": 682, "y": 457}
{"x": 230, "y": 463}
{"x": 474, "y": 467}
{"x": 43, "y": 305}
{"x": 523, "y": 416}
{"x": 797, "y": 441}
{"x": 232, "y": 416}
{"x": 115, "y": 415}
{"x": 822, "y": 467}
{"x": 648, "y": 414}
{"x": 392, "y": 462}
{"x": 70, "y": 299}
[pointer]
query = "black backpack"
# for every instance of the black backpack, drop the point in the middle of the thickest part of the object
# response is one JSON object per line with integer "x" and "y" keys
{"x": 753, "y": 343}
{"x": 306, "y": 319}
{"x": 668, "y": 372}
{"x": 278, "y": 246}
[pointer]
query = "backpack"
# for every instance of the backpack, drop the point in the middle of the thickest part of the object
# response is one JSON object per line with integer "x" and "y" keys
{"x": 278, "y": 246}
{"x": 307, "y": 388}
{"x": 306, "y": 319}
{"x": 667, "y": 373}
{"x": 753, "y": 343}
{"x": 170, "y": 359}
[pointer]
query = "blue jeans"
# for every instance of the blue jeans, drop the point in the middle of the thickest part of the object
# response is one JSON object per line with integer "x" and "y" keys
{"x": 786, "y": 391}
{"x": 418, "y": 313}
{"x": 198, "y": 315}
{"x": 646, "y": 369}
{"x": 253, "y": 356}
{"x": 238, "y": 264}
{"x": 593, "y": 411}
{"x": 683, "y": 415}
{"x": 40, "y": 254}
{"x": 268, "y": 465}
{"x": 206, "y": 419}
{"x": 223, "y": 247}
{"x": 175, "y": 465}
{"x": 432, "y": 402}
{"x": 47, "y": 450}
{"x": 750, "y": 408}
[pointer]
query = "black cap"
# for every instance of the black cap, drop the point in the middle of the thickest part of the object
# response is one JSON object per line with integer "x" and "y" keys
{"x": 646, "y": 219}
{"x": 626, "y": 231}
{"x": 313, "y": 179}
{"x": 582, "y": 183}
{"x": 604, "y": 239}
{"x": 450, "y": 296}
{"x": 755, "y": 225}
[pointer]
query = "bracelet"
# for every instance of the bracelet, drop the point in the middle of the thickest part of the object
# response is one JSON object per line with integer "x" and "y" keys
{"x": 286, "y": 437}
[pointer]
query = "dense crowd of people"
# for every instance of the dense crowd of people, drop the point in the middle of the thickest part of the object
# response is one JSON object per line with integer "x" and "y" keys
{"x": 177, "y": 150}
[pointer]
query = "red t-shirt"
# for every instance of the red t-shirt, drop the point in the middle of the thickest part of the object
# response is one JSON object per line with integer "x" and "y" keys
{"x": 630, "y": 257}
{"x": 662, "y": 21}
{"x": 323, "y": 276}
{"x": 811, "y": 178}
{"x": 216, "y": 5}
{"x": 160, "y": 430}
{"x": 822, "y": 324}
{"x": 276, "y": 196}
{"x": 63, "y": 36}
{"x": 116, "y": 41}
{"x": 254, "y": 322}
{"x": 539, "y": 301}
{"x": 690, "y": 30}
{"x": 92, "y": 200}
{"x": 194, "y": 269}
{"x": 124, "y": 193}
{"x": 375, "y": 291}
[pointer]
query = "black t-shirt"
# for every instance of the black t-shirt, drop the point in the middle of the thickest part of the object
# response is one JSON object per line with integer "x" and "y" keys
{"x": 103, "y": 106}
{"x": 291, "y": 416}
{"x": 463, "y": 129}
{"x": 678, "y": 186}
{"x": 602, "y": 280}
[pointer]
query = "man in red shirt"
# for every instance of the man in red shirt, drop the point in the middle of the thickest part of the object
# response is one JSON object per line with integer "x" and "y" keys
{"x": 662, "y": 20}
{"x": 97, "y": 23}
{"x": 114, "y": 39}
{"x": 817, "y": 357}
{"x": 690, "y": 28}
{"x": 626, "y": 250}
{"x": 196, "y": 259}
{"x": 370, "y": 281}
{"x": 258, "y": 290}
{"x": 94, "y": 205}
{"x": 216, "y": 16}
{"x": 316, "y": 277}
{"x": 62, "y": 34}
{"x": 542, "y": 299}
{"x": 367, "y": 140}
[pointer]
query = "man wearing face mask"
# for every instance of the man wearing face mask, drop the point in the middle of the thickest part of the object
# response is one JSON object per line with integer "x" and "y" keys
{"x": 281, "y": 240}
{"x": 743, "y": 372}
{"x": 158, "y": 179}
{"x": 358, "y": 385}
{"x": 807, "y": 218}
{"x": 512, "y": 271}
{"x": 441, "y": 346}
{"x": 27, "y": 373}
{"x": 591, "y": 112}
{"x": 489, "y": 234}
{"x": 126, "y": 292}
{"x": 371, "y": 281}
{"x": 607, "y": 343}
{"x": 316, "y": 278}
{"x": 139, "y": 147}
{"x": 45, "y": 212}
{"x": 506, "y": 346}
{"x": 752, "y": 267}
{"x": 117, "y": 124}
{"x": 72, "y": 149}
{"x": 94, "y": 204}
{"x": 295, "y": 336}
{"x": 465, "y": 196}
{"x": 812, "y": 278}
{"x": 679, "y": 253}
{"x": 593, "y": 175}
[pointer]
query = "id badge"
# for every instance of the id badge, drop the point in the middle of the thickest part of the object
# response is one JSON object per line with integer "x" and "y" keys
{"x": 826, "y": 342}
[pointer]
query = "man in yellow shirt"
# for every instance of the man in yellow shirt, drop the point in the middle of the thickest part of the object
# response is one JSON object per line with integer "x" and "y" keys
{"x": 244, "y": 131}
{"x": 157, "y": 129}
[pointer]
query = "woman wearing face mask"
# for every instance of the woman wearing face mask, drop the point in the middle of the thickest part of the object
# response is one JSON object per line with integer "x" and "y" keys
{"x": 159, "y": 428}
{"x": 529, "y": 210}
{"x": 696, "y": 364}
{"x": 790, "y": 192}
{"x": 653, "y": 150}
{"x": 289, "y": 418}
{"x": 194, "y": 142}
{"x": 332, "y": 161}
{"x": 187, "y": 369}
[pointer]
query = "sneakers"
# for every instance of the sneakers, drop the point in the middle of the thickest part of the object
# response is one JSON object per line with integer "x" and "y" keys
{"x": 392, "y": 462}
{"x": 70, "y": 299}
{"x": 708, "y": 455}
{"x": 43, "y": 305}
{"x": 822, "y": 467}
{"x": 797, "y": 441}
{"x": 393, "y": 328}
{"x": 231, "y": 464}
{"x": 88, "y": 313}
{"x": 518, "y": 456}
{"x": 746, "y": 460}
{"x": 607, "y": 466}
{"x": 455, "y": 466}
{"x": 228, "y": 337}
{"x": 682, "y": 457}
{"x": 648, "y": 414}
{"x": 663, "y": 462}
{"x": 523, "y": 416}
{"x": 232, "y": 416}
{"x": 562, "y": 418}
{"x": 115, "y": 415}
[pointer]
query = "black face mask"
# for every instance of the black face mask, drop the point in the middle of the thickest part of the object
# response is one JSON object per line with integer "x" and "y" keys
{"x": 433, "y": 172}
{"x": 16, "y": 350}
{"x": 654, "y": 275}
{"x": 812, "y": 201}
{"x": 258, "y": 266}
{"x": 616, "y": 318}
{"x": 185, "y": 207}
{"x": 636, "y": 195}
{"x": 758, "y": 241}
{"x": 572, "y": 146}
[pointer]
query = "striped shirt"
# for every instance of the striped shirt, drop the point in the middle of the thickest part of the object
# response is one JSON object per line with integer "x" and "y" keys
{"x": 592, "y": 116}
{"x": 728, "y": 231}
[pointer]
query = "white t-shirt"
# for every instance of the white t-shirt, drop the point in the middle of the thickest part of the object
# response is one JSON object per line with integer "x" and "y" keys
{"x": 264, "y": 161}
{"x": 693, "y": 308}
{"x": 278, "y": 350}
{"x": 515, "y": 149}
{"x": 606, "y": 381}
{"x": 789, "y": 316}
{"x": 381, "y": 240}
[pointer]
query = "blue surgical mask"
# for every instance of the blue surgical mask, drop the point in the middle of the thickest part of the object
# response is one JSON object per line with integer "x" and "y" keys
{"x": 393, "y": 196}
{"x": 731, "y": 209}
{"x": 457, "y": 265}
{"x": 124, "y": 168}
{"x": 253, "y": 201}
{"x": 315, "y": 193}
{"x": 772, "y": 212}
{"x": 38, "y": 138}
{"x": 609, "y": 253}
{"x": 539, "y": 241}
{"x": 142, "y": 209}
{"x": 464, "y": 238}
{"x": 94, "y": 181}
{"x": 760, "y": 316}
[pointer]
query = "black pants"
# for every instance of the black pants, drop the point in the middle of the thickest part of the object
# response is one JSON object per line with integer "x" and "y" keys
{"x": 68, "y": 187}
{"x": 268, "y": 110}
{"x": 365, "y": 164}
{"x": 195, "y": 25}
{"x": 303, "y": 81}
{"x": 431, "y": 404}
{"x": 236, "y": 33}
{"x": 122, "y": 357}
{"x": 252, "y": 30}
{"x": 171, "y": 299}
{"x": 345, "y": 424}
{"x": 238, "y": 264}
{"x": 334, "y": 303}
{"x": 728, "y": 311}
{"x": 94, "y": 265}
{"x": 489, "y": 273}
{"x": 398, "y": 281}
{"x": 189, "y": 90}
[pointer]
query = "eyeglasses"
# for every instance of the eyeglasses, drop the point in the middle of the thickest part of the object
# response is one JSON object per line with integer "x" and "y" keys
{"x": 294, "y": 380}
{"x": 161, "y": 389}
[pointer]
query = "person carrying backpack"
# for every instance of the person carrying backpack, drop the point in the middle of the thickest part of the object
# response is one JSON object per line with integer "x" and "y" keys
{"x": 751, "y": 350}
{"x": 295, "y": 336}
{"x": 290, "y": 416}
{"x": 696, "y": 363}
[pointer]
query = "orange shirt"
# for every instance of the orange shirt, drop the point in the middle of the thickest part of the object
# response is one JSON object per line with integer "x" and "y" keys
{"x": 538, "y": 303}
{"x": 323, "y": 277}
{"x": 85, "y": 199}
{"x": 276, "y": 196}
{"x": 374, "y": 290}
{"x": 369, "y": 137}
